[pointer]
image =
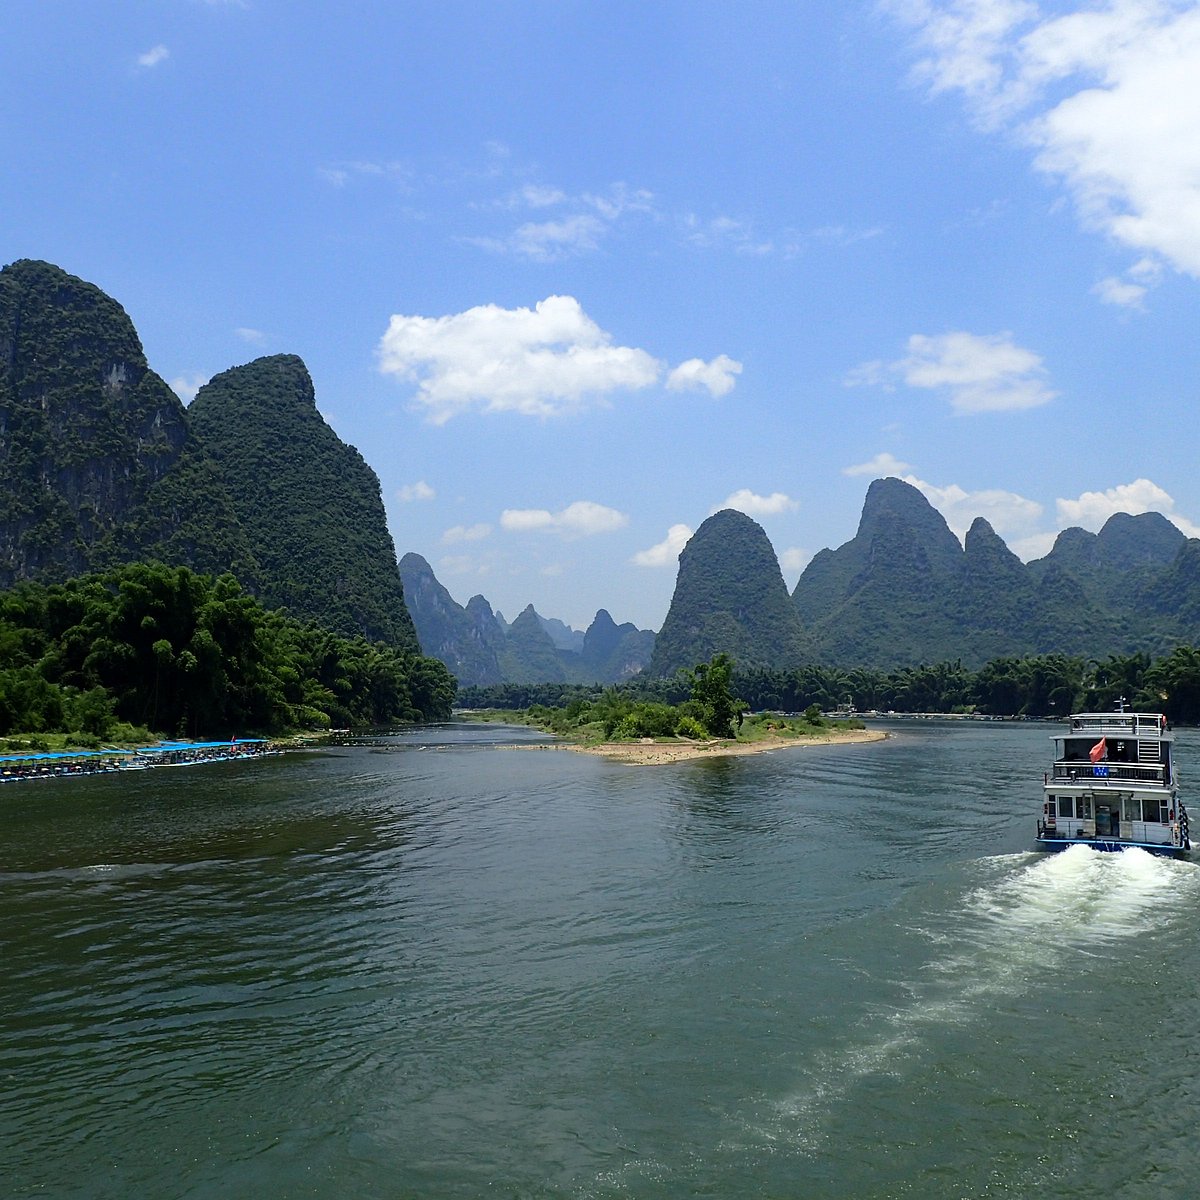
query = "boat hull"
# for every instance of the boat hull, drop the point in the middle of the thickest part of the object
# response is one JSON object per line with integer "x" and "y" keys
{"x": 1110, "y": 844}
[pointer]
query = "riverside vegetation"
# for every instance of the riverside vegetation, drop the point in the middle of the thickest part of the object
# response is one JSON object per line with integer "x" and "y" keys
{"x": 710, "y": 711}
{"x": 147, "y": 646}
{"x": 1039, "y": 686}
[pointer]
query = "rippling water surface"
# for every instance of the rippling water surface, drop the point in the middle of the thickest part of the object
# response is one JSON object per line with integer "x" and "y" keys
{"x": 432, "y": 964}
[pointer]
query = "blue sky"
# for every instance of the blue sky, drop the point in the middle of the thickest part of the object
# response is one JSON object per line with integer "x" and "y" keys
{"x": 572, "y": 276}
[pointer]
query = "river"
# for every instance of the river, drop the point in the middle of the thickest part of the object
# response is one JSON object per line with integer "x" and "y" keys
{"x": 433, "y": 964}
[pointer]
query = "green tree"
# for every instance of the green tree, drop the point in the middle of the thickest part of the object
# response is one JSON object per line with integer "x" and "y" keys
{"x": 713, "y": 702}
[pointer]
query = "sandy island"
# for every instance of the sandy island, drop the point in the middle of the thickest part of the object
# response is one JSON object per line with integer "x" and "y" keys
{"x": 650, "y": 753}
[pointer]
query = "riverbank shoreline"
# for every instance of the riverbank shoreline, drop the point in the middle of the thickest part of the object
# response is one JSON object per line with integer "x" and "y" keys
{"x": 650, "y": 753}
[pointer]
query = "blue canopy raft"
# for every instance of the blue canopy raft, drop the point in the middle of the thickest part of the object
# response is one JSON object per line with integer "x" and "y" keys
{"x": 57, "y": 764}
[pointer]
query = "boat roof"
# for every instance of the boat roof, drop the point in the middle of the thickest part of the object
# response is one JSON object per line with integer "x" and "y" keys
{"x": 1118, "y": 724}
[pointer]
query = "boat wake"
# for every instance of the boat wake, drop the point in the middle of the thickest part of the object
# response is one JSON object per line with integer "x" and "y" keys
{"x": 1008, "y": 936}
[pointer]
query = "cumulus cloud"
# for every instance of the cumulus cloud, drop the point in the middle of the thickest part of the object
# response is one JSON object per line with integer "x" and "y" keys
{"x": 717, "y": 377}
{"x": 1107, "y": 98}
{"x": 583, "y": 518}
{"x": 1007, "y": 513}
{"x": 880, "y": 467}
{"x": 153, "y": 56}
{"x": 466, "y": 533}
{"x": 415, "y": 491}
{"x": 541, "y": 362}
{"x": 186, "y": 386}
{"x": 795, "y": 559}
{"x": 666, "y": 552}
{"x": 1091, "y": 509}
{"x": 975, "y": 372}
{"x": 746, "y": 501}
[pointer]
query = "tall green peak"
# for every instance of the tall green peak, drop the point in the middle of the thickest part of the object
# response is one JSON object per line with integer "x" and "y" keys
{"x": 885, "y": 595}
{"x": 729, "y": 598}
{"x": 310, "y": 504}
{"x": 88, "y": 437}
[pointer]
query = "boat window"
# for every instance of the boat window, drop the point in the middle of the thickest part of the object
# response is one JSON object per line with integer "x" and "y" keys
{"x": 1149, "y": 809}
{"x": 1083, "y": 808}
{"x": 1066, "y": 807}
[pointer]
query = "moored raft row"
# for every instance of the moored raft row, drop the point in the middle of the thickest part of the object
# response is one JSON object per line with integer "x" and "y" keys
{"x": 56, "y": 764}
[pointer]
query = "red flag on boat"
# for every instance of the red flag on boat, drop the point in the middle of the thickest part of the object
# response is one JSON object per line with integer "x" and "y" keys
{"x": 1099, "y": 750}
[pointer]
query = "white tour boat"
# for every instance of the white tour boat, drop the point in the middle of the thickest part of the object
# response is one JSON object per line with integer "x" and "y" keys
{"x": 1114, "y": 785}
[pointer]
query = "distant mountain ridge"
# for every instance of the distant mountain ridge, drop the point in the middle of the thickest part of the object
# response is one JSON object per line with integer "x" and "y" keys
{"x": 903, "y": 591}
{"x": 482, "y": 649}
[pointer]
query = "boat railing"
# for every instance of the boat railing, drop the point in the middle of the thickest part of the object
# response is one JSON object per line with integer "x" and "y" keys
{"x": 1108, "y": 774}
{"x": 1127, "y": 724}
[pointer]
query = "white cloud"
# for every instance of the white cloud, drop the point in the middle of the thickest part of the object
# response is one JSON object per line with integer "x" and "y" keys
{"x": 340, "y": 174}
{"x": 460, "y": 564}
{"x": 254, "y": 336}
{"x": 1107, "y": 98}
{"x": 746, "y": 501}
{"x": 666, "y": 552}
{"x": 582, "y": 224}
{"x": 534, "y": 195}
{"x": 975, "y": 372}
{"x": 1017, "y": 519}
{"x": 547, "y": 241}
{"x": 539, "y": 362}
{"x": 741, "y": 236}
{"x": 1117, "y": 291}
{"x": 186, "y": 386}
{"x": 879, "y": 467}
{"x": 415, "y": 491}
{"x": 1036, "y": 545}
{"x": 583, "y": 518}
{"x": 153, "y": 56}
{"x": 466, "y": 533}
{"x": 717, "y": 376}
{"x": 1092, "y": 509}
{"x": 795, "y": 559}
{"x": 1007, "y": 513}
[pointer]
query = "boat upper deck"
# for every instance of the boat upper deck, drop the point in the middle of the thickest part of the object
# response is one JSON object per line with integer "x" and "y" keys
{"x": 1119, "y": 724}
{"x": 1112, "y": 750}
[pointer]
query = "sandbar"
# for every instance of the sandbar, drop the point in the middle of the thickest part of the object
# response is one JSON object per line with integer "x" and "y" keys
{"x": 649, "y": 753}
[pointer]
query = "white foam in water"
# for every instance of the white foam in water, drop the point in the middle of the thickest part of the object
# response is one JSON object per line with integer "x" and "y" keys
{"x": 1006, "y": 935}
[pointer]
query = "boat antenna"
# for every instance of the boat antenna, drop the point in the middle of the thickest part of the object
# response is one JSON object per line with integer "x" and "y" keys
{"x": 1120, "y": 704}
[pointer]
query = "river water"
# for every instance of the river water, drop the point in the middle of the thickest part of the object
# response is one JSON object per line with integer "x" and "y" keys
{"x": 431, "y": 964}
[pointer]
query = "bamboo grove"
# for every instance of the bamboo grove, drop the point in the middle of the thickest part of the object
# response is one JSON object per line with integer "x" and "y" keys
{"x": 169, "y": 650}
